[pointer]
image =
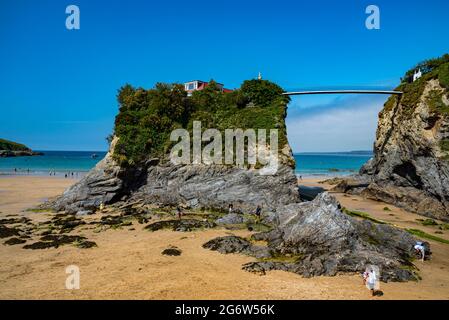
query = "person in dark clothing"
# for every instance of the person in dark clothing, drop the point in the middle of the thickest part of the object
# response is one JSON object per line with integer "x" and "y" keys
{"x": 258, "y": 212}
{"x": 179, "y": 211}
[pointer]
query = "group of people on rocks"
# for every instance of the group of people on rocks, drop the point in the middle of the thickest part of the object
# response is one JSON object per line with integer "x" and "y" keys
{"x": 371, "y": 276}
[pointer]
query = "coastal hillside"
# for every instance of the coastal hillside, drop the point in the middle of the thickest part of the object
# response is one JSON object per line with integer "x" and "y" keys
{"x": 138, "y": 166}
{"x": 14, "y": 149}
{"x": 12, "y": 146}
{"x": 410, "y": 167}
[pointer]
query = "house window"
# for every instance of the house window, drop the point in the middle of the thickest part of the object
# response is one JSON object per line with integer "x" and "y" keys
{"x": 191, "y": 86}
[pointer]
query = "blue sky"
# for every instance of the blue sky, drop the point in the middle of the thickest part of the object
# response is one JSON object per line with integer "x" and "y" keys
{"x": 58, "y": 86}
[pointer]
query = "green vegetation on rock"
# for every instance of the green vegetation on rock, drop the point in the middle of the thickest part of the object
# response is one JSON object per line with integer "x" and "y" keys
{"x": 429, "y": 222}
{"x": 389, "y": 105}
{"x": 429, "y": 65}
{"x": 444, "y": 145}
{"x": 147, "y": 117}
{"x": 436, "y": 104}
{"x": 12, "y": 146}
{"x": 363, "y": 215}
{"x": 437, "y": 68}
{"x": 443, "y": 76}
{"x": 424, "y": 235}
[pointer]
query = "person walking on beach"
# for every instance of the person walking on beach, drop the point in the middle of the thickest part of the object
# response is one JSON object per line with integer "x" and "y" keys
{"x": 371, "y": 279}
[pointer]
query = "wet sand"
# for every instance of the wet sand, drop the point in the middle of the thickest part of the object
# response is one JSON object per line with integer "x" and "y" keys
{"x": 127, "y": 264}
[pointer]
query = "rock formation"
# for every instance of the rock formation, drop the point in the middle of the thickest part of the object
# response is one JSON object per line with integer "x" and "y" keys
{"x": 128, "y": 172}
{"x": 316, "y": 238}
{"x": 197, "y": 186}
{"x": 410, "y": 167}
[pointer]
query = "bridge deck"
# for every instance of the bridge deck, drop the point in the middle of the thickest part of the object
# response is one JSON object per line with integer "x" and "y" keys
{"x": 295, "y": 93}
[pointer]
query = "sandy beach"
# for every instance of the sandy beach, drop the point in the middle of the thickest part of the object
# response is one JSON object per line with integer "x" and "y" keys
{"x": 127, "y": 262}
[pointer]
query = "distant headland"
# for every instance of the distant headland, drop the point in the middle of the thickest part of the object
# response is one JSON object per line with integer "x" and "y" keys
{"x": 14, "y": 149}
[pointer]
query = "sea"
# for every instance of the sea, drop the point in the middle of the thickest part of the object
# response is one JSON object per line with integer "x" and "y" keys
{"x": 60, "y": 163}
{"x": 330, "y": 163}
{"x": 57, "y": 163}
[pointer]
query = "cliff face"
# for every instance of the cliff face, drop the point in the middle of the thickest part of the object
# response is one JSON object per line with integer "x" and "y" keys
{"x": 410, "y": 167}
{"x": 137, "y": 166}
{"x": 196, "y": 186}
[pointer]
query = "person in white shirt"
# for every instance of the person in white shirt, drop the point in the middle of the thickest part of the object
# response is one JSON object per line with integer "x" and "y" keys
{"x": 419, "y": 248}
{"x": 371, "y": 277}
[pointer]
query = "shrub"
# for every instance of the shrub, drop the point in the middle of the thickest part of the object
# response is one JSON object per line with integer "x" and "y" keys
{"x": 444, "y": 145}
{"x": 147, "y": 117}
{"x": 443, "y": 76}
{"x": 429, "y": 222}
{"x": 435, "y": 102}
{"x": 262, "y": 92}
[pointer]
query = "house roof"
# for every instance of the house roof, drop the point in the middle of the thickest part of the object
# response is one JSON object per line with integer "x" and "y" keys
{"x": 202, "y": 82}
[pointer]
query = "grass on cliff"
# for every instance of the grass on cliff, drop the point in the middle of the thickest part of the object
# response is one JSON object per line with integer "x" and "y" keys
{"x": 435, "y": 102}
{"x": 39, "y": 210}
{"x": 147, "y": 117}
{"x": 363, "y": 215}
{"x": 428, "y": 222}
{"x": 424, "y": 235}
{"x": 444, "y": 145}
{"x": 12, "y": 146}
{"x": 432, "y": 223}
{"x": 437, "y": 68}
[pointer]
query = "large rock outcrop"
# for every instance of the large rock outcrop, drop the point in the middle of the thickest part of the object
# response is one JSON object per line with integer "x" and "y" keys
{"x": 410, "y": 167}
{"x": 138, "y": 166}
{"x": 197, "y": 186}
{"x": 317, "y": 238}
{"x": 103, "y": 184}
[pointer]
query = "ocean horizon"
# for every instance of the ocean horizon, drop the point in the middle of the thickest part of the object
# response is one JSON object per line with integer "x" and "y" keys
{"x": 80, "y": 162}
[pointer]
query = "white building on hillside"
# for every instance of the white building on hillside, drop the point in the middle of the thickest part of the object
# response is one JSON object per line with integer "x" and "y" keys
{"x": 197, "y": 85}
{"x": 417, "y": 75}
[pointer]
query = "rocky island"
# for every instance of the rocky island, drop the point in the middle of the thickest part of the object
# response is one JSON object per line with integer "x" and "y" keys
{"x": 137, "y": 165}
{"x": 14, "y": 149}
